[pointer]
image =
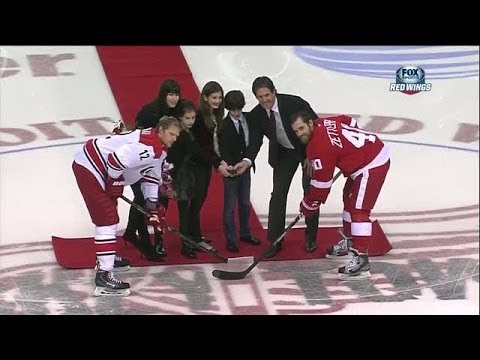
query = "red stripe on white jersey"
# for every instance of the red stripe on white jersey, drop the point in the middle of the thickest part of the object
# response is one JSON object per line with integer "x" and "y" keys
{"x": 95, "y": 158}
{"x": 112, "y": 161}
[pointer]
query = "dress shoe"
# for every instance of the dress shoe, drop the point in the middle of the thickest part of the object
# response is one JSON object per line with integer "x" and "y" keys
{"x": 152, "y": 255}
{"x": 233, "y": 248}
{"x": 252, "y": 240}
{"x": 310, "y": 245}
{"x": 274, "y": 250}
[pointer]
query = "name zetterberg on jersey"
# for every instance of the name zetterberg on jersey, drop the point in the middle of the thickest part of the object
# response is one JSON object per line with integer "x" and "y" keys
{"x": 332, "y": 132}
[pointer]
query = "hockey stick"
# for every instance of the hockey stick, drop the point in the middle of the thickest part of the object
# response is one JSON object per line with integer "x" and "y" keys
{"x": 201, "y": 246}
{"x": 238, "y": 275}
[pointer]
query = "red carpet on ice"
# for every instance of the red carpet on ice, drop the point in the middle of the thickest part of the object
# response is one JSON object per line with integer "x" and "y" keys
{"x": 80, "y": 253}
{"x": 135, "y": 74}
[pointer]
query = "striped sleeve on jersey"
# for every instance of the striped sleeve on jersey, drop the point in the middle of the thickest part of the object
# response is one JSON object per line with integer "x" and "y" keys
{"x": 115, "y": 166}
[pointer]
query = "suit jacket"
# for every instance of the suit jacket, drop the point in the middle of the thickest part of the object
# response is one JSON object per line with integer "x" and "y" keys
{"x": 262, "y": 126}
{"x": 230, "y": 143}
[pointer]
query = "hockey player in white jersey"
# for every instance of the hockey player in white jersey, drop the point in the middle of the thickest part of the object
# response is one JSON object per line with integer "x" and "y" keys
{"x": 102, "y": 168}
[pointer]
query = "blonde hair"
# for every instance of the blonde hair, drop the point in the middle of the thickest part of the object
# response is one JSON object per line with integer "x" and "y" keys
{"x": 166, "y": 121}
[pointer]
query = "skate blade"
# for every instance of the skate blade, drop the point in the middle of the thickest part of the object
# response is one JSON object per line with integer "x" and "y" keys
{"x": 102, "y": 292}
{"x": 121, "y": 269}
{"x": 361, "y": 276}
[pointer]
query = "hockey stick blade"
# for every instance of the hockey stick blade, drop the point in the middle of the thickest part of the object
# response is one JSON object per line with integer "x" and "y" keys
{"x": 201, "y": 246}
{"x": 238, "y": 275}
{"x": 233, "y": 275}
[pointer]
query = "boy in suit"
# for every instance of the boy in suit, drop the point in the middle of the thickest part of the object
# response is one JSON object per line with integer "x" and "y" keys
{"x": 233, "y": 140}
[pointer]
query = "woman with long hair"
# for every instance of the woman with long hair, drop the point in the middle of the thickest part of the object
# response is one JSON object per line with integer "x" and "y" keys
{"x": 209, "y": 116}
{"x": 166, "y": 103}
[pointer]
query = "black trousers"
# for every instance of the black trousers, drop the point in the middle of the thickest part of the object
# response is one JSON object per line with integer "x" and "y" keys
{"x": 191, "y": 209}
{"x": 283, "y": 174}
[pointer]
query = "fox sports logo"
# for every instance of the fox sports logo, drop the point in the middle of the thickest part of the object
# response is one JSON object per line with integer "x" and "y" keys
{"x": 410, "y": 80}
{"x": 410, "y": 75}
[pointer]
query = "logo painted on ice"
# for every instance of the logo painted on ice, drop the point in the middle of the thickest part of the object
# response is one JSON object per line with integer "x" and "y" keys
{"x": 410, "y": 80}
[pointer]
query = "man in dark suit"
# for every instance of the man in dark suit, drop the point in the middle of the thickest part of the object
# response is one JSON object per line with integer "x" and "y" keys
{"x": 271, "y": 118}
{"x": 233, "y": 139}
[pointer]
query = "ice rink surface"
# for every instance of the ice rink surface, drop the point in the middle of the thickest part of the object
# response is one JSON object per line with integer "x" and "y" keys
{"x": 428, "y": 208}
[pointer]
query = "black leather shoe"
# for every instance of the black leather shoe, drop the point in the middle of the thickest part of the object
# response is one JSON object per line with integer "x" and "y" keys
{"x": 152, "y": 255}
{"x": 233, "y": 248}
{"x": 274, "y": 250}
{"x": 252, "y": 240}
{"x": 310, "y": 245}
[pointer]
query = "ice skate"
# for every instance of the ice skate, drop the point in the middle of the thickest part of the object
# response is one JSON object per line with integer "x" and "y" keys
{"x": 342, "y": 249}
{"x": 108, "y": 285}
{"x": 357, "y": 268}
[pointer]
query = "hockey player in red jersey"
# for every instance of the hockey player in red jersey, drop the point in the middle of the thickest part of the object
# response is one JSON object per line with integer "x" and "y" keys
{"x": 102, "y": 168}
{"x": 362, "y": 157}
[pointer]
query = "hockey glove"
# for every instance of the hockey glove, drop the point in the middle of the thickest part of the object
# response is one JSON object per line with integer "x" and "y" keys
{"x": 156, "y": 215}
{"x": 114, "y": 187}
{"x": 166, "y": 173}
{"x": 309, "y": 207}
{"x": 166, "y": 178}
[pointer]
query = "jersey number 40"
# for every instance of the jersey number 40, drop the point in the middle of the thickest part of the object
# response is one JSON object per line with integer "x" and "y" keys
{"x": 356, "y": 136}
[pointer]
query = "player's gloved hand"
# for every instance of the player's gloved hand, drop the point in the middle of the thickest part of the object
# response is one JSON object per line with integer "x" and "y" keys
{"x": 167, "y": 173}
{"x": 166, "y": 178}
{"x": 114, "y": 187}
{"x": 156, "y": 215}
{"x": 309, "y": 207}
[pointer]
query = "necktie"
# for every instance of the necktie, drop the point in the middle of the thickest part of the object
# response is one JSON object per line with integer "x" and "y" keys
{"x": 273, "y": 124}
{"x": 242, "y": 134}
{"x": 273, "y": 145}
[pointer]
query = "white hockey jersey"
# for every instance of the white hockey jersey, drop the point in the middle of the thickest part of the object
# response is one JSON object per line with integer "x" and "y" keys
{"x": 136, "y": 156}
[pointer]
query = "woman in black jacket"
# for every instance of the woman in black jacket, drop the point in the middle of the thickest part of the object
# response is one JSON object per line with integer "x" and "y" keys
{"x": 186, "y": 155}
{"x": 204, "y": 131}
{"x": 166, "y": 103}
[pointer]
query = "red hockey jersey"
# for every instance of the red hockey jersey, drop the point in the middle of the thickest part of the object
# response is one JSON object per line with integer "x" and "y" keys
{"x": 338, "y": 142}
